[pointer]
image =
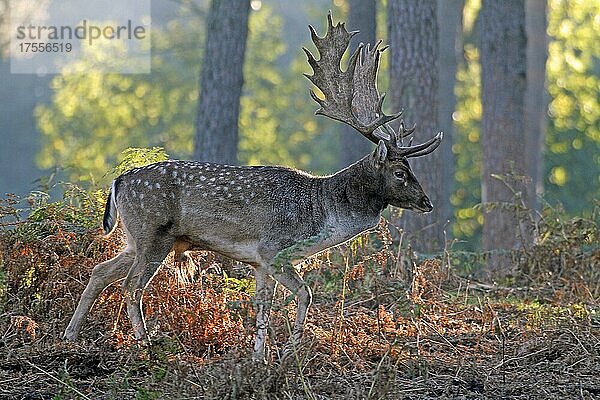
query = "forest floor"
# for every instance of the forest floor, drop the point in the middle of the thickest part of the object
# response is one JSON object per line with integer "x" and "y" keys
{"x": 377, "y": 329}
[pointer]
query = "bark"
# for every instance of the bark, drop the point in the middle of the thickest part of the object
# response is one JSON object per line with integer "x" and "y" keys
{"x": 449, "y": 16}
{"x": 221, "y": 82}
{"x": 413, "y": 40}
{"x": 536, "y": 97}
{"x": 361, "y": 18}
{"x": 503, "y": 83}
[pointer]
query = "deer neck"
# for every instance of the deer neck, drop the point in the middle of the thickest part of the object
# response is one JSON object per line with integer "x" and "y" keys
{"x": 354, "y": 194}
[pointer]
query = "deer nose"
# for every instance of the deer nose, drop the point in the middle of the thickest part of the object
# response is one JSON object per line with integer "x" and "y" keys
{"x": 425, "y": 204}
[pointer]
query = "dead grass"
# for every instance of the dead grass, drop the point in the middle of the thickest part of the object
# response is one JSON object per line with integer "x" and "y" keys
{"x": 370, "y": 335}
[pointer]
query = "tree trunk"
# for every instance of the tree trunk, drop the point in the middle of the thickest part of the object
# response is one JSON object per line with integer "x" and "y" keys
{"x": 361, "y": 18}
{"x": 413, "y": 40}
{"x": 221, "y": 81}
{"x": 449, "y": 16}
{"x": 536, "y": 98}
{"x": 503, "y": 85}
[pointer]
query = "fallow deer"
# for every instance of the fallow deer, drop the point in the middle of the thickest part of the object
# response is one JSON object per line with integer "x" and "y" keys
{"x": 267, "y": 216}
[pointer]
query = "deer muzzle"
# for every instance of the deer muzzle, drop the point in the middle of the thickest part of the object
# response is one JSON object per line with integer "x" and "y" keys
{"x": 424, "y": 205}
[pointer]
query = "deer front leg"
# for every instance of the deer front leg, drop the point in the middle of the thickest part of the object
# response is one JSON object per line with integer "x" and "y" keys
{"x": 265, "y": 287}
{"x": 289, "y": 278}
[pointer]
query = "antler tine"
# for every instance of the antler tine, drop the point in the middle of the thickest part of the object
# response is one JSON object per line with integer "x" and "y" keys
{"x": 393, "y": 140}
{"x": 406, "y": 132}
{"x": 419, "y": 149}
{"x": 349, "y": 96}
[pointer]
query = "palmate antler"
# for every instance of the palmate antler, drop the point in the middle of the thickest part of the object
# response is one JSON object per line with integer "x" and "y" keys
{"x": 351, "y": 96}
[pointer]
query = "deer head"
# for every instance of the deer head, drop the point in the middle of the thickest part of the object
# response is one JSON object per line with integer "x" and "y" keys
{"x": 351, "y": 97}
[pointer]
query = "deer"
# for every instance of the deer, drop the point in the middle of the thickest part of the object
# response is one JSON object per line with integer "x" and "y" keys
{"x": 269, "y": 217}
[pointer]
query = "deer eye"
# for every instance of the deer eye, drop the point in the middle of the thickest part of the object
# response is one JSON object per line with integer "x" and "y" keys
{"x": 400, "y": 175}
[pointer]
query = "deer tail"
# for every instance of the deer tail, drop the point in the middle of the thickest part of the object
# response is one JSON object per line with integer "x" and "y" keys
{"x": 110, "y": 211}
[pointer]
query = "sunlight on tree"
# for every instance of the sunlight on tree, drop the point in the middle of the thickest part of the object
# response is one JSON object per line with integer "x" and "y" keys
{"x": 93, "y": 117}
{"x": 573, "y": 145}
{"x": 259, "y": 124}
{"x": 466, "y": 147}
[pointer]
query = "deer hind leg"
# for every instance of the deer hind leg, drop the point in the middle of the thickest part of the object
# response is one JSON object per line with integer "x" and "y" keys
{"x": 265, "y": 287}
{"x": 103, "y": 275}
{"x": 147, "y": 261}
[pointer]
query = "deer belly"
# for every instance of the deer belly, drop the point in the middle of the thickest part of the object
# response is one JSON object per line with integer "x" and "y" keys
{"x": 244, "y": 251}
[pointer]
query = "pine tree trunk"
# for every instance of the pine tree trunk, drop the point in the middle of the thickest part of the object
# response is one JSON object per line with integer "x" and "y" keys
{"x": 449, "y": 16}
{"x": 221, "y": 82}
{"x": 536, "y": 97}
{"x": 503, "y": 83}
{"x": 361, "y": 18}
{"x": 414, "y": 86}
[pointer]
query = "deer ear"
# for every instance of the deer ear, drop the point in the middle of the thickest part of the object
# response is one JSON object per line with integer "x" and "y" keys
{"x": 380, "y": 153}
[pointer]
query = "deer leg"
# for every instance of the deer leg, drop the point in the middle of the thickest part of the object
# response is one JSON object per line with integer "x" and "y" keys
{"x": 295, "y": 284}
{"x": 144, "y": 267}
{"x": 103, "y": 275}
{"x": 265, "y": 287}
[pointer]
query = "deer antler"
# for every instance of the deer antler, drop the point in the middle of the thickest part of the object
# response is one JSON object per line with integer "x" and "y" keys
{"x": 351, "y": 96}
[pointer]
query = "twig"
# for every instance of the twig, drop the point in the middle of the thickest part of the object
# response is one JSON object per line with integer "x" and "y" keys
{"x": 378, "y": 370}
{"x": 578, "y": 341}
{"x": 73, "y": 388}
{"x": 439, "y": 334}
{"x": 519, "y": 358}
